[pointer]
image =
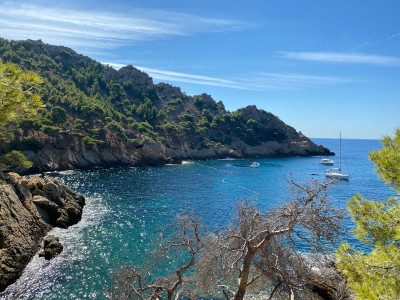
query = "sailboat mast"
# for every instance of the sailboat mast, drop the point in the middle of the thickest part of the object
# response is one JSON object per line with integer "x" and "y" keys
{"x": 340, "y": 150}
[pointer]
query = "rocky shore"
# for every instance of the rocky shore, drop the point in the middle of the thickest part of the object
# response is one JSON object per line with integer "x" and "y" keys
{"x": 29, "y": 208}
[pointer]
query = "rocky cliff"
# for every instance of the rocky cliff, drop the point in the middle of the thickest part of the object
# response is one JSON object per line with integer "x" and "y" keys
{"x": 71, "y": 153}
{"x": 29, "y": 208}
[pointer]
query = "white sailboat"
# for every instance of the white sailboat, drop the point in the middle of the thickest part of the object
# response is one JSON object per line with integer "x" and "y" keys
{"x": 336, "y": 173}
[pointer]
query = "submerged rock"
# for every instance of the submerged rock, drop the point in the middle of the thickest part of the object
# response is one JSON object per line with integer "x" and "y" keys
{"x": 29, "y": 208}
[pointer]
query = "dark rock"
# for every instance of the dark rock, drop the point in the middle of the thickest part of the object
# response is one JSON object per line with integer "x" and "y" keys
{"x": 12, "y": 178}
{"x": 326, "y": 281}
{"x": 23, "y": 192}
{"x": 48, "y": 206}
{"x": 51, "y": 247}
{"x": 141, "y": 80}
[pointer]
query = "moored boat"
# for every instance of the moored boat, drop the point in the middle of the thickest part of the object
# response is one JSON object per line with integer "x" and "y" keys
{"x": 327, "y": 162}
{"x": 336, "y": 173}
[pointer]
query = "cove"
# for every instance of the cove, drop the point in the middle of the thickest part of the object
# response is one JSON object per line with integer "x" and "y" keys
{"x": 127, "y": 206}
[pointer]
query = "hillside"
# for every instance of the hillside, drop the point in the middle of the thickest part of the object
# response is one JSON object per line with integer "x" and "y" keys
{"x": 96, "y": 116}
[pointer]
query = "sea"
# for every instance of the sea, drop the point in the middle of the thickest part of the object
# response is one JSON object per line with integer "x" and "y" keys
{"x": 127, "y": 207}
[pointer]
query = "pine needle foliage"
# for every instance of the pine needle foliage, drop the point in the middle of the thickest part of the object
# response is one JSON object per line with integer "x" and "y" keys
{"x": 376, "y": 275}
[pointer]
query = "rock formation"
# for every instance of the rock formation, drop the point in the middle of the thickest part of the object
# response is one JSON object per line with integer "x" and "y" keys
{"x": 29, "y": 208}
{"x": 51, "y": 247}
{"x": 72, "y": 153}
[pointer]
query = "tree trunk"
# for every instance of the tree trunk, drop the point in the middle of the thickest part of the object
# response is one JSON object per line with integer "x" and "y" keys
{"x": 170, "y": 294}
{"x": 244, "y": 276}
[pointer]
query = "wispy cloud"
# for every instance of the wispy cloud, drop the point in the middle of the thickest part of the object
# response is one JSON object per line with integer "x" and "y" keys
{"x": 339, "y": 57}
{"x": 287, "y": 81}
{"x": 378, "y": 41}
{"x": 170, "y": 76}
{"x": 261, "y": 81}
{"x": 92, "y": 29}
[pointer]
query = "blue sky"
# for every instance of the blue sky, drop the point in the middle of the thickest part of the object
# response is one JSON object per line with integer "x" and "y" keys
{"x": 321, "y": 66}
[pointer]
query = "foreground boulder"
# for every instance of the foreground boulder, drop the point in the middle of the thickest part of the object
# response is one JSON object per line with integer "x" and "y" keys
{"x": 51, "y": 247}
{"x": 29, "y": 208}
{"x": 326, "y": 281}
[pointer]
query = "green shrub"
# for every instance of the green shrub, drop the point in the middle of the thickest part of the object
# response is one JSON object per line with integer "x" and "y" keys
{"x": 198, "y": 101}
{"x": 186, "y": 117}
{"x": 98, "y": 122}
{"x": 58, "y": 115}
{"x": 170, "y": 127}
{"x": 14, "y": 159}
{"x": 80, "y": 124}
{"x": 177, "y": 101}
{"x": 207, "y": 114}
{"x": 145, "y": 127}
{"x": 187, "y": 125}
{"x": 30, "y": 124}
{"x": 134, "y": 142}
{"x": 76, "y": 134}
{"x": 91, "y": 141}
{"x": 114, "y": 127}
{"x": 251, "y": 123}
{"x": 51, "y": 130}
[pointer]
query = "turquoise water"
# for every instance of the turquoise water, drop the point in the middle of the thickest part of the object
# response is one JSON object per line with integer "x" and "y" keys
{"x": 125, "y": 207}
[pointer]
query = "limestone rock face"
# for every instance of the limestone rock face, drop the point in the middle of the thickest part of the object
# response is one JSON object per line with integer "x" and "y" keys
{"x": 155, "y": 153}
{"x": 29, "y": 208}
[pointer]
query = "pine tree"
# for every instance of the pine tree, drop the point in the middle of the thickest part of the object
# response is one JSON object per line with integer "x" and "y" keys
{"x": 17, "y": 98}
{"x": 376, "y": 274}
{"x": 17, "y": 93}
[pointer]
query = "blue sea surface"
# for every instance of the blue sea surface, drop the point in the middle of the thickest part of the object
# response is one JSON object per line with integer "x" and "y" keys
{"x": 126, "y": 207}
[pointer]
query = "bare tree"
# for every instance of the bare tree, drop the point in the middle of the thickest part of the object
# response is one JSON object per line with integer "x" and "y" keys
{"x": 260, "y": 248}
{"x": 258, "y": 251}
{"x": 180, "y": 243}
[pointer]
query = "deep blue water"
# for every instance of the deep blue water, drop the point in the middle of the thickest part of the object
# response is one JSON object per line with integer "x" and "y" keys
{"x": 125, "y": 207}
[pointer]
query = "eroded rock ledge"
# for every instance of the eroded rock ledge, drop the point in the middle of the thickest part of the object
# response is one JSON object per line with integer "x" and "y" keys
{"x": 29, "y": 208}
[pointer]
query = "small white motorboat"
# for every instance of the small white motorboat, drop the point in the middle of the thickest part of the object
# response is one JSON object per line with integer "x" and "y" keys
{"x": 327, "y": 162}
{"x": 254, "y": 165}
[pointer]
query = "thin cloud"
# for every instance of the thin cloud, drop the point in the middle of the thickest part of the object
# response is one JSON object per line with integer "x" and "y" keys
{"x": 183, "y": 75}
{"x": 170, "y": 76}
{"x": 92, "y": 29}
{"x": 262, "y": 81}
{"x": 285, "y": 81}
{"x": 339, "y": 57}
{"x": 388, "y": 38}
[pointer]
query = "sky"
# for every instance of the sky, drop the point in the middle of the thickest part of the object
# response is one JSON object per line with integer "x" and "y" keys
{"x": 323, "y": 67}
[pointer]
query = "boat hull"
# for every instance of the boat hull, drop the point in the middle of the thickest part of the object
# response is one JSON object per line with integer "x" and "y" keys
{"x": 338, "y": 176}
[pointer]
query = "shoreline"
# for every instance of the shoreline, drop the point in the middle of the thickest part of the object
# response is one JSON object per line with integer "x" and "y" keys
{"x": 29, "y": 209}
